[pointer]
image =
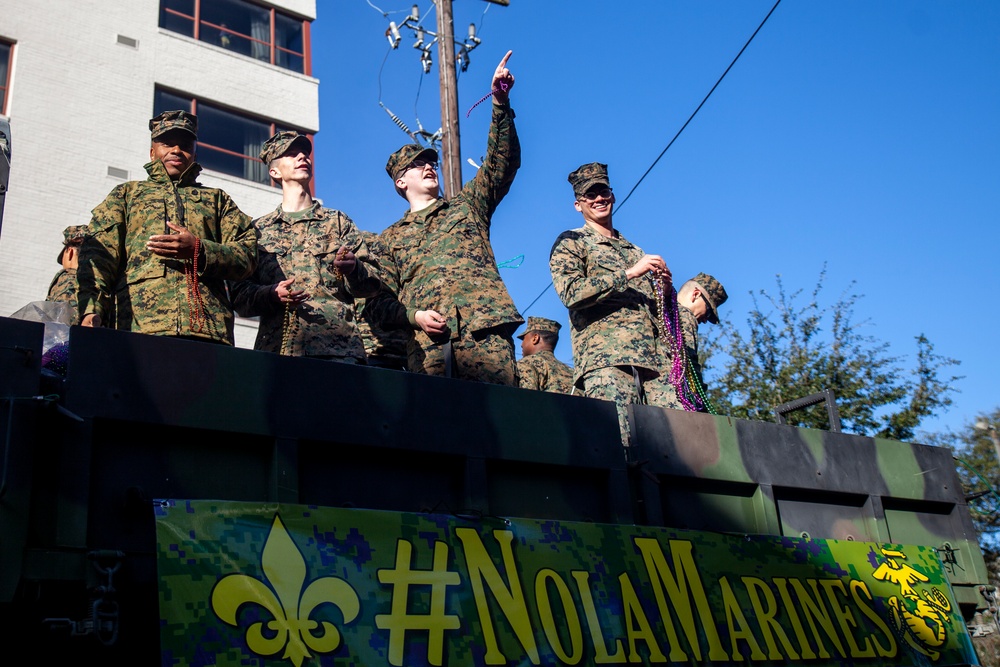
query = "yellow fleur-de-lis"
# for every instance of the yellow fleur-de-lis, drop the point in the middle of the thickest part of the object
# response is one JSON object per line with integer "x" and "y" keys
{"x": 289, "y": 601}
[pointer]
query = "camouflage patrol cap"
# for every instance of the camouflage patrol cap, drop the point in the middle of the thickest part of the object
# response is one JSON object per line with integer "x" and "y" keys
{"x": 587, "y": 176}
{"x": 277, "y": 145}
{"x": 541, "y": 324}
{"x": 174, "y": 120}
{"x": 402, "y": 158}
{"x": 714, "y": 293}
{"x": 72, "y": 236}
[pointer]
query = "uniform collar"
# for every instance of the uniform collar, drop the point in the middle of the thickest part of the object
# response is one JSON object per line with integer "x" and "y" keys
{"x": 420, "y": 217}
{"x": 599, "y": 237}
{"x": 687, "y": 314}
{"x": 310, "y": 213}
{"x": 158, "y": 173}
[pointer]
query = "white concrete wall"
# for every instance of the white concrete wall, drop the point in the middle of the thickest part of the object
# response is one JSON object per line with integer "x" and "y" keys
{"x": 304, "y": 8}
{"x": 80, "y": 103}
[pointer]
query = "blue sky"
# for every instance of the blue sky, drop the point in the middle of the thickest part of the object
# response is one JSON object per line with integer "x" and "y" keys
{"x": 862, "y": 135}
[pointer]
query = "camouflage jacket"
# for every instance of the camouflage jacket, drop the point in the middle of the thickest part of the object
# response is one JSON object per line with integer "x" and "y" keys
{"x": 63, "y": 288}
{"x": 304, "y": 248}
{"x": 383, "y": 339}
{"x": 544, "y": 372}
{"x": 380, "y": 342}
{"x": 152, "y": 292}
{"x": 441, "y": 258}
{"x": 613, "y": 320}
{"x": 689, "y": 329}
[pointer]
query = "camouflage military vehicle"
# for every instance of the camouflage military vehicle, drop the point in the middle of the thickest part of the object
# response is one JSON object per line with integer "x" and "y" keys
{"x": 182, "y": 503}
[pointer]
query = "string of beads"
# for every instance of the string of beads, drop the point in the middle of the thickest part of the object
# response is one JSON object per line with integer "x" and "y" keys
{"x": 289, "y": 328}
{"x": 337, "y": 273}
{"x": 196, "y": 303}
{"x": 689, "y": 390}
{"x": 503, "y": 86}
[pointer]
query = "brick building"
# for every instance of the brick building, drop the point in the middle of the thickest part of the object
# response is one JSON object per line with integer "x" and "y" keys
{"x": 79, "y": 79}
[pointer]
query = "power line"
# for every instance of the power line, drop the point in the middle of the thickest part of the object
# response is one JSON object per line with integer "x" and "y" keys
{"x": 426, "y": 39}
{"x": 691, "y": 117}
{"x": 386, "y": 14}
{"x": 537, "y": 298}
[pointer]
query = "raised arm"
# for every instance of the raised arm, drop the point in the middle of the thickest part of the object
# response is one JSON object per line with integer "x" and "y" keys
{"x": 503, "y": 149}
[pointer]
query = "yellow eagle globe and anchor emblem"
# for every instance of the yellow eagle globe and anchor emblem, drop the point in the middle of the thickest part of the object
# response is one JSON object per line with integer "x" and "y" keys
{"x": 919, "y": 619}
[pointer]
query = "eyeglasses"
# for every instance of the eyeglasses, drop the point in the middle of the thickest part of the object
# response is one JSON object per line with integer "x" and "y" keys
{"x": 420, "y": 162}
{"x": 592, "y": 195}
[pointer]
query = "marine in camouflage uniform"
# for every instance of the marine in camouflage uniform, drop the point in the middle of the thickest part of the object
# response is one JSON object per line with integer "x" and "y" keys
{"x": 607, "y": 285}
{"x": 304, "y": 298}
{"x": 63, "y": 288}
{"x": 698, "y": 301}
{"x": 689, "y": 331}
{"x": 538, "y": 367}
{"x": 440, "y": 258}
{"x": 167, "y": 245}
{"x": 385, "y": 343}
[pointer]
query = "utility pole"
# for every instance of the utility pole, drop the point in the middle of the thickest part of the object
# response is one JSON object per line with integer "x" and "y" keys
{"x": 451, "y": 150}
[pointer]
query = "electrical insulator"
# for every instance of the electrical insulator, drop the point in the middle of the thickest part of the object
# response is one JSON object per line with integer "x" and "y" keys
{"x": 396, "y": 119}
{"x": 392, "y": 34}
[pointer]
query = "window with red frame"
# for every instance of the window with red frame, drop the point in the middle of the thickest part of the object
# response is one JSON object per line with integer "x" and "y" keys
{"x": 228, "y": 141}
{"x": 263, "y": 33}
{"x": 6, "y": 53}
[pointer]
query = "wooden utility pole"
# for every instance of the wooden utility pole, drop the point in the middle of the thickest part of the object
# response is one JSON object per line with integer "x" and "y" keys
{"x": 451, "y": 152}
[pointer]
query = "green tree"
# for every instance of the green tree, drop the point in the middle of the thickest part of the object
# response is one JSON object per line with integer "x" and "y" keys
{"x": 977, "y": 450}
{"x": 791, "y": 349}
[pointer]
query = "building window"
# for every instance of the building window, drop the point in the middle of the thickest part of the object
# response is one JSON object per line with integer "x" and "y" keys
{"x": 228, "y": 141}
{"x": 259, "y": 32}
{"x": 6, "y": 54}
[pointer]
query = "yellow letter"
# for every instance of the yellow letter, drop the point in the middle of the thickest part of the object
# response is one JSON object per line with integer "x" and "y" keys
{"x": 662, "y": 579}
{"x": 756, "y": 588}
{"x": 511, "y": 600}
{"x": 804, "y": 647}
{"x": 569, "y": 614}
{"x": 601, "y": 656}
{"x": 734, "y": 617}
{"x": 633, "y": 612}
{"x": 814, "y": 609}
{"x": 846, "y": 619}
{"x": 860, "y": 587}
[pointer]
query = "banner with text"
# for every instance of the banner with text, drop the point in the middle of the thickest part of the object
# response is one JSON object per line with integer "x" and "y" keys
{"x": 245, "y": 583}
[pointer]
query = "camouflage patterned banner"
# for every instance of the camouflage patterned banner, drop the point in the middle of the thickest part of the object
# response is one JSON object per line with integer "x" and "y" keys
{"x": 245, "y": 584}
